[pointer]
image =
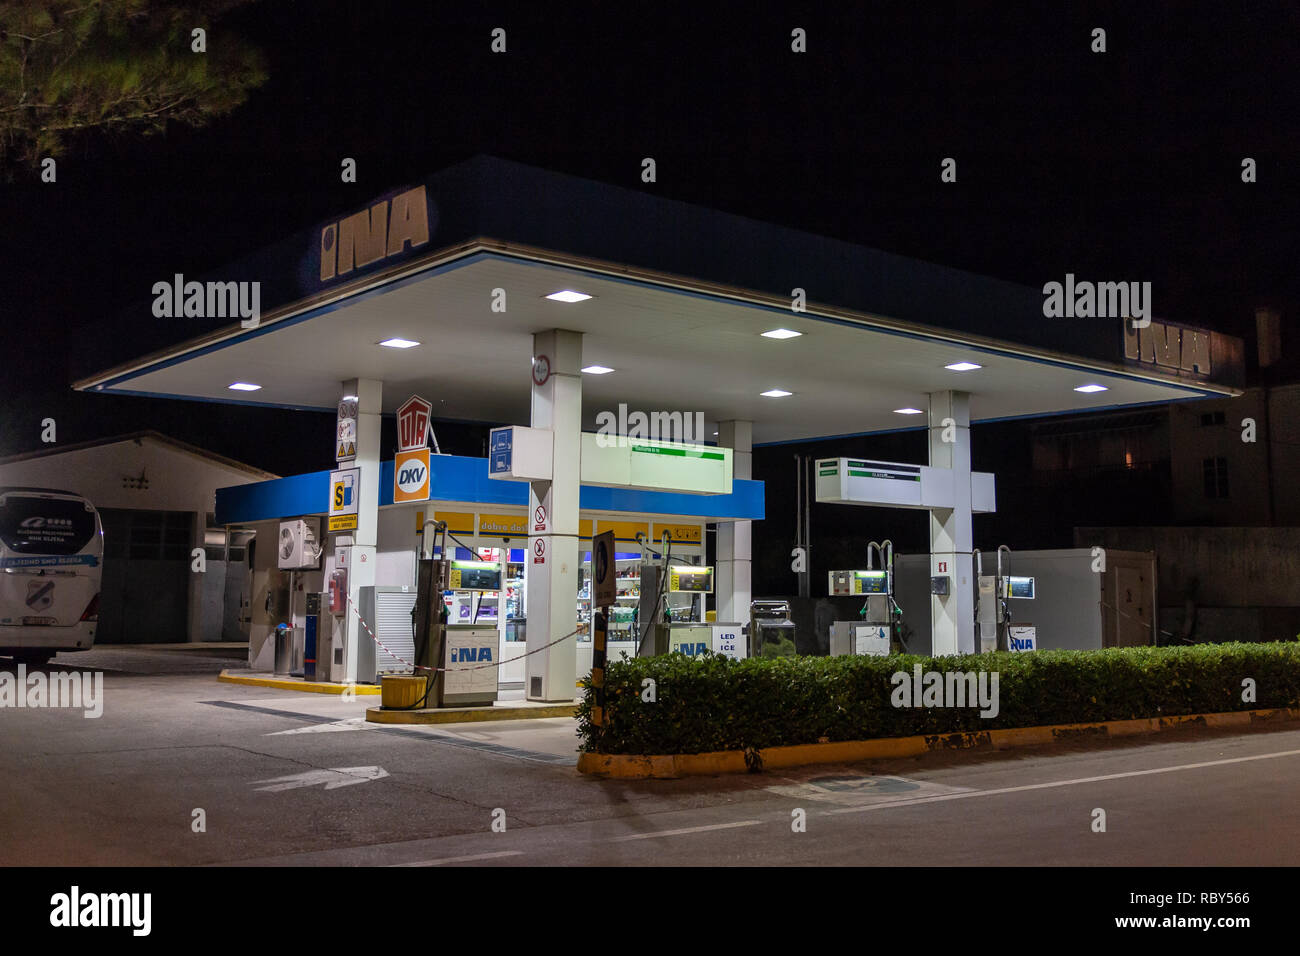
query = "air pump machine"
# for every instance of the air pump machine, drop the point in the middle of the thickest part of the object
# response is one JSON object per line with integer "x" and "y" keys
{"x": 875, "y": 632}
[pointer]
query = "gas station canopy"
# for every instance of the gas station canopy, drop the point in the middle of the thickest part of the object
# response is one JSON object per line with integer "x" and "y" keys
{"x": 679, "y": 299}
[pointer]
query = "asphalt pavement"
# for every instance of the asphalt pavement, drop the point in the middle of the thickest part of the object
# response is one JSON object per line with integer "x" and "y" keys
{"x": 183, "y": 770}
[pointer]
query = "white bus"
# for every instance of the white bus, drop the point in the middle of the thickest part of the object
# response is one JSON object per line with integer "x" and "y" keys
{"x": 51, "y": 560}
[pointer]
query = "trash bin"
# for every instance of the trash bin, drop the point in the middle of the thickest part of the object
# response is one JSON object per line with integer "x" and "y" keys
{"x": 283, "y": 649}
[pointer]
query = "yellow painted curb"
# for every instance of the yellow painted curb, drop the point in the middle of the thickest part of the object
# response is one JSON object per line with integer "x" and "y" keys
{"x": 309, "y": 687}
{"x": 462, "y": 715}
{"x": 849, "y": 751}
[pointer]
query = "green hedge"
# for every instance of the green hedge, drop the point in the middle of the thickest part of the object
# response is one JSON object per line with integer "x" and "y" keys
{"x": 716, "y": 703}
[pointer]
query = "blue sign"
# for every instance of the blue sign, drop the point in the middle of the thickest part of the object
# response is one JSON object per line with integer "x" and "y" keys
{"x": 471, "y": 654}
{"x": 500, "y": 456}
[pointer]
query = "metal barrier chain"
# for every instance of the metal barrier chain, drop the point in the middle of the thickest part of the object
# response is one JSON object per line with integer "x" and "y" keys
{"x": 477, "y": 667}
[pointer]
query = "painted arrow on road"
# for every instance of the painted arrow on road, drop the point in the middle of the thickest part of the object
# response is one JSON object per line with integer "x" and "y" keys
{"x": 332, "y": 779}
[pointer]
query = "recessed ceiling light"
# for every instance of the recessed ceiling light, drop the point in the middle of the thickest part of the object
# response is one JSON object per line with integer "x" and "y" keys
{"x": 349, "y": 398}
{"x": 775, "y": 393}
{"x": 1091, "y": 388}
{"x": 244, "y": 386}
{"x": 597, "y": 370}
{"x": 715, "y": 433}
{"x": 568, "y": 295}
{"x": 962, "y": 366}
{"x": 781, "y": 334}
{"x": 908, "y": 411}
{"x": 399, "y": 343}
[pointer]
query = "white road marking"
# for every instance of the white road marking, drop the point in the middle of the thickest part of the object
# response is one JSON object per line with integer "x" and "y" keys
{"x": 332, "y": 779}
{"x": 1067, "y": 783}
{"x": 664, "y": 833}
{"x": 463, "y": 859}
{"x": 352, "y": 723}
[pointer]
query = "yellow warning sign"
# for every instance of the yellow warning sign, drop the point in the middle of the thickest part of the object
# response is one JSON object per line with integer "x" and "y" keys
{"x": 343, "y": 523}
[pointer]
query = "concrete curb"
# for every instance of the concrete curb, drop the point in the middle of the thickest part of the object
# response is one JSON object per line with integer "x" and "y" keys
{"x": 667, "y": 766}
{"x": 303, "y": 686}
{"x": 462, "y": 715}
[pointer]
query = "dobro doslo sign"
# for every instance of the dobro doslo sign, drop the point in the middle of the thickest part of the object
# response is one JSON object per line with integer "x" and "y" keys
{"x": 411, "y": 466}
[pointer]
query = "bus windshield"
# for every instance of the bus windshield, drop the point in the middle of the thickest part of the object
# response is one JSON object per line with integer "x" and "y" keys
{"x": 38, "y": 525}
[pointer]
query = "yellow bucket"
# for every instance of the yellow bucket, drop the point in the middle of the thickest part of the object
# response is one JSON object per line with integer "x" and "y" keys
{"x": 401, "y": 691}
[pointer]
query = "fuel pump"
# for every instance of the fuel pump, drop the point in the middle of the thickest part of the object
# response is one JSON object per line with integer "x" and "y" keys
{"x": 459, "y": 658}
{"x": 875, "y": 632}
{"x": 992, "y": 611}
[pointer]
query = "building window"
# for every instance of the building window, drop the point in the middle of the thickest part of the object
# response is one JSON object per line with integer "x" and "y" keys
{"x": 1212, "y": 418}
{"x": 1215, "y": 473}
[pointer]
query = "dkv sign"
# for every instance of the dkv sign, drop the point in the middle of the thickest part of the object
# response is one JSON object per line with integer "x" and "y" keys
{"x": 411, "y": 466}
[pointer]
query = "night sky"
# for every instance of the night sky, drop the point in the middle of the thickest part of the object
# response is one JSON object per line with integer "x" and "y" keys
{"x": 1121, "y": 166}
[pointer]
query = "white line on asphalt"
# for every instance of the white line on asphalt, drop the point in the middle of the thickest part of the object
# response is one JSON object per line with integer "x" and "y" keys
{"x": 664, "y": 833}
{"x": 463, "y": 859}
{"x": 1066, "y": 783}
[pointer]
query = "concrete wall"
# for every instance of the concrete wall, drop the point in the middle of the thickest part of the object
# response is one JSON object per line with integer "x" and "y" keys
{"x": 178, "y": 480}
{"x": 1219, "y": 584}
{"x": 1191, "y": 443}
{"x": 1284, "y": 449}
{"x": 1218, "y": 567}
{"x": 1276, "y": 414}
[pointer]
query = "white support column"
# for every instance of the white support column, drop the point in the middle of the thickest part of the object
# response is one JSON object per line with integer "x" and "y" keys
{"x": 551, "y": 564}
{"x": 735, "y": 538}
{"x": 361, "y": 570}
{"x": 951, "y": 535}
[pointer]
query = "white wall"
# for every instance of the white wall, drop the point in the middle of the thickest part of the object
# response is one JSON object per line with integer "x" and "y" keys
{"x": 178, "y": 480}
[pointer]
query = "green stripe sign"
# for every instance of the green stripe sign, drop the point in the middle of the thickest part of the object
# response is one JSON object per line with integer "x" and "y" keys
{"x": 880, "y": 474}
{"x": 679, "y": 452}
